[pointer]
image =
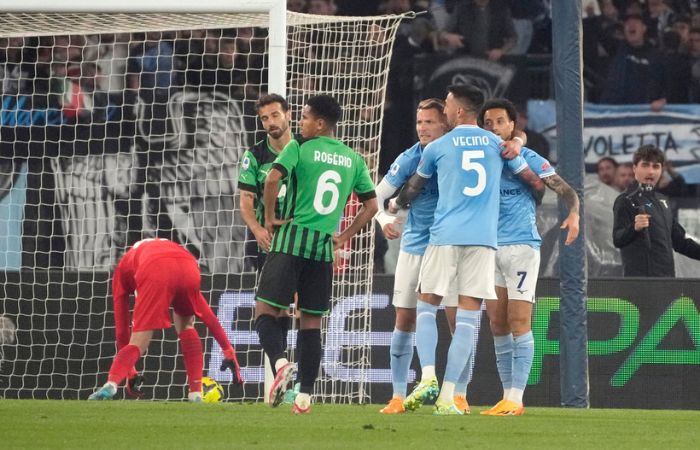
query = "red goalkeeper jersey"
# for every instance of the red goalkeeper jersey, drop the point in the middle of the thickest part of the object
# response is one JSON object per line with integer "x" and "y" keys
{"x": 159, "y": 273}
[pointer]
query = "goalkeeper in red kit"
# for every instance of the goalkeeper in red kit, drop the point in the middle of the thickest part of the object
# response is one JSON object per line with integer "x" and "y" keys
{"x": 160, "y": 274}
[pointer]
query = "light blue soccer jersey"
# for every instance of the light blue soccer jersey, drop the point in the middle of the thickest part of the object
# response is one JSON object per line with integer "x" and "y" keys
{"x": 468, "y": 164}
{"x": 416, "y": 230}
{"x": 517, "y": 221}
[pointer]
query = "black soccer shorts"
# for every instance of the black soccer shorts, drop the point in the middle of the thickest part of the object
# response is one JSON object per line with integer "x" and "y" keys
{"x": 284, "y": 274}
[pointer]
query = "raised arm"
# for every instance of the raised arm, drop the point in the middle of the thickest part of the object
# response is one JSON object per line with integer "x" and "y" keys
{"x": 408, "y": 193}
{"x": 531, "y": 179}
{"x": 570, "y": 198}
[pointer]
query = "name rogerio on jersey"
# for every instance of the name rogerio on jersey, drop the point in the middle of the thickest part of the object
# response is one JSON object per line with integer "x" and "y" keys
{"x": 332, "y": 158}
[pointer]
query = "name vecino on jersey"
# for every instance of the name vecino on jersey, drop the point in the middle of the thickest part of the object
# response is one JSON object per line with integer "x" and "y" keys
{"x": 333, "y": 159}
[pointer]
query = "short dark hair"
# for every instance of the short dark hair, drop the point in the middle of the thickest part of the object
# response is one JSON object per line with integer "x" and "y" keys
{"x": 469, "y": 96}
{"x": 606, "y": 158}
{"x": 633, "y": 17}
{"x": 498, "y": 103}
{"x": 325, "y": 107}
{"x": 268, "y": 99}
{"x": 649, "y": 153}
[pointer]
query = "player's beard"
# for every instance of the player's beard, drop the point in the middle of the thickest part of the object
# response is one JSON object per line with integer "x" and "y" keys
{"x": 276, "y": 133}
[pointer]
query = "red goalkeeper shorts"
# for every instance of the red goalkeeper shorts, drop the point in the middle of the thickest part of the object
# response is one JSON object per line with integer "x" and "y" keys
{"x": 164, "y": 282}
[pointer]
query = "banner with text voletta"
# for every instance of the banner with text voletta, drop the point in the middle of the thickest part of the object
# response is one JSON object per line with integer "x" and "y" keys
{"x": 617, "y": 131}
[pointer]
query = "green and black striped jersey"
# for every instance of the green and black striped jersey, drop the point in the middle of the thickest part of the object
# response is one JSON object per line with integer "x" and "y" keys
{"x": 321, "y": 174}
{"x": 255, "y": 165}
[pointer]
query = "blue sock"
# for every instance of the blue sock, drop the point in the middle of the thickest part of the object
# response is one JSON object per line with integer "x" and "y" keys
{"x": 401, "y": 352}
{"x": 462, "y": 344}
{"x": 426, "y": 333}
{"x": 523, "y": 353}
{"x": 465, "y": 377}
{"x": 503, "y": 346}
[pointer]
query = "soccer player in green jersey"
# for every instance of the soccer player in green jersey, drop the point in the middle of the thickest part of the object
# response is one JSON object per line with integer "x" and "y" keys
{"x": 273, "y": 112}
{"x": 321, "y": 174}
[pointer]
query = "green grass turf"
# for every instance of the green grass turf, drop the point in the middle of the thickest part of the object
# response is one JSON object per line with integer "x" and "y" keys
{"x": 172, "y": 425}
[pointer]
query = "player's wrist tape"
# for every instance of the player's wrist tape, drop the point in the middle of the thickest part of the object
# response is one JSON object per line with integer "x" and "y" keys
{"x": 518, "y": 138}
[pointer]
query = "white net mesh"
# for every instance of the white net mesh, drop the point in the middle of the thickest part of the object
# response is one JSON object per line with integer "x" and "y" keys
{"x": 119, "y": 127}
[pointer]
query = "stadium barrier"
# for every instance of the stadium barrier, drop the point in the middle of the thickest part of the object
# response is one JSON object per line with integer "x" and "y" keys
{"x": 644, "y": 341}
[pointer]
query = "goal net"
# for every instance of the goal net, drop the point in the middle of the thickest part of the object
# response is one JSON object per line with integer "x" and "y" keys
{"x": 119, "y": 127}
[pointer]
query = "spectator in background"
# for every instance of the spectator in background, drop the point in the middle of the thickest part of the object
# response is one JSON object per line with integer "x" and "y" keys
{"x": 602, "y": 35}
{"x": 296, "y": 5}
{"x": 524, "y": 13}
{"x": 624, "y": 176}
{"x": 535, "y": 141}
{"x": 321, "y": 7}
{"x": 682, "y": 26}
{"x": 151, "y": 64}
{"x": 635, "y": 75}
{"x": 694, "y": 54}
{"x": 486, "y": 28}
{"x": 676, "y": 69}
{"x": 645, "y": 229}
{"x": 606, "y": 168}
{"x": 658, "y": 17}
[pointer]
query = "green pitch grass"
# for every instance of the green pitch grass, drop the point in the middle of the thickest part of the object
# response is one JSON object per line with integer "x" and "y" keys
{"x": 131, "y": 424}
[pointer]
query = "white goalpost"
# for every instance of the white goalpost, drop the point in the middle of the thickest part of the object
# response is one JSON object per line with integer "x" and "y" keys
{"x": 128, "y": 122}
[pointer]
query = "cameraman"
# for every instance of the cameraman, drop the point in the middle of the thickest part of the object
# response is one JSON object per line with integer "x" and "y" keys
{"x": 645, "y": 228}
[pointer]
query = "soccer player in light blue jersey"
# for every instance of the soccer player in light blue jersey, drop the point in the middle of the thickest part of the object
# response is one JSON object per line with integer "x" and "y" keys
{"x": 431, "y": 123}
{"x": 462, "y": 247}
{"x": 518, "y": 261}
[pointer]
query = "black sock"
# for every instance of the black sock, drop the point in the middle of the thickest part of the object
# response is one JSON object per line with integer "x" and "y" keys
{"x": 284, "y": 324}
{"x": 270, "y": 337}
{"x": 309, "y": 345}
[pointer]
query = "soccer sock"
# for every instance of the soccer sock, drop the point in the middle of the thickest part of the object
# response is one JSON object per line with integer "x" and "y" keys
{"x": 447, "y": 393}
{"x": 503, "y": 347}
{"x": 465, "y": 377}
{"x": 309, "y": 341}
{"x": 462, "y": 344}
{"x": 270, "y": 336}
{"x": 426, "y": 337}
{"x": 284, "y": 323}
{"x": 523, "y": 353}
{"x": 191, "y": 347}
{"x": 126, "y": 359}
{"x": 401, "y": 355}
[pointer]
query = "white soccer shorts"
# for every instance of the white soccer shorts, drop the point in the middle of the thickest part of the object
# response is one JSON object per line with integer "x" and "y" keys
{"x": 468, "y": 269}
{"x": 406, "y": 281}
{"x": 517, "y": 269}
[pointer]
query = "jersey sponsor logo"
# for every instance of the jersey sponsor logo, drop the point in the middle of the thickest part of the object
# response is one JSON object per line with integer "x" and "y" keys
{"x": 332, "y": 158}
{"x": 246, "y": 163}
{"x": 469, "y": 141}
{"x": 509, "y": 192}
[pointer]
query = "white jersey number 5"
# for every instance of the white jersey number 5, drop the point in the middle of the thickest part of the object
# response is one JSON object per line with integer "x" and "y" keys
{"x": 468, "y": 164}
{"x": 327, "y": 182}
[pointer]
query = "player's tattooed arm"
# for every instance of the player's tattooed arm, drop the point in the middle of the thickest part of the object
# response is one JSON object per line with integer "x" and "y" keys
{"x": 564, "y": 191}
{"x": 568, "y": 194}
{"x": 410, "y": 191}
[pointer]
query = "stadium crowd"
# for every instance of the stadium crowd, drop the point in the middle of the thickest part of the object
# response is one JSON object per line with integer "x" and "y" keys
{"x": 634, "y": 52}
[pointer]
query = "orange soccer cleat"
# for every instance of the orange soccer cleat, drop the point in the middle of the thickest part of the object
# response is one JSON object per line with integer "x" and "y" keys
{"x": 395, "y": 406}
{"x": 462, "y": 404}
{"x": 505, "y": 408}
